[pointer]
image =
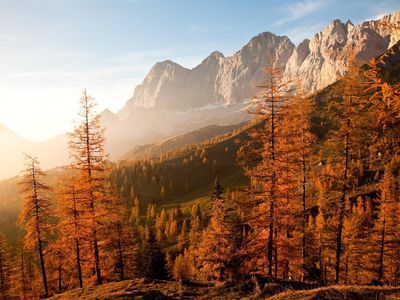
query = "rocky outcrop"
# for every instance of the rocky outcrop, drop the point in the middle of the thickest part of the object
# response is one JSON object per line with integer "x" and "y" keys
{"x": 216, "y": 80}
{"x": 318, "y": 62}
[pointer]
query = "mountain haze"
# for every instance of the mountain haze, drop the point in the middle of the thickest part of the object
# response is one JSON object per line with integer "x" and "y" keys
{"x": 173, "y": 100}
{"x": 51, "y": 152}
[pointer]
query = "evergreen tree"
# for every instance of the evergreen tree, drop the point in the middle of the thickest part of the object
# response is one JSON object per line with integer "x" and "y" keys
{"x": 218, "y": 191}
{"x": 218, "y": 249}
{"x": 152, "y": 260}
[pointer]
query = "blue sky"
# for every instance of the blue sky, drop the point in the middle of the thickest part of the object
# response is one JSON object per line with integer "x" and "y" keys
{"x": 50, "y": 50}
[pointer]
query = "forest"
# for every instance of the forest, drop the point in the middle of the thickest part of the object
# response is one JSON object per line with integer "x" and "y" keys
{"x": 308, "y": 192}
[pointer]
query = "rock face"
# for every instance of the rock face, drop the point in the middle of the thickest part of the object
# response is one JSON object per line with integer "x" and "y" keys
{"x": 232, "y": 80}
{"x": 217, "y": 80}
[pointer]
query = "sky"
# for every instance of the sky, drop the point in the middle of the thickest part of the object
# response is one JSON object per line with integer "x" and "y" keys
{"x": 50, "y": 50}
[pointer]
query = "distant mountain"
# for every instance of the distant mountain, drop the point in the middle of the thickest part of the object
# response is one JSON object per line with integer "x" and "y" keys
{"x": 231, "y": 80}
{"x": 51, "y": 152}
{"x": 174, "y": 100}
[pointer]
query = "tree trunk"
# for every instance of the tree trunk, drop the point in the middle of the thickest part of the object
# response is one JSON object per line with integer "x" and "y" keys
{"x": 303, "y": 240}
{"x": 42, "y": 267}
{"x": 78, "y": 263}
{"x": 60, "y": 276}
{"x": 382, "y": 250}
{"x": 97, "y": 258}
{"x": 342, "y": 204}
{"x": 23, "y": 274}
{"x": 121, "y": 260}
{"x": 272, "y": 191}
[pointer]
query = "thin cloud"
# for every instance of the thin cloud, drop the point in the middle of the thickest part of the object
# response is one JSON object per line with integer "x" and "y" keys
{"x": 300, "y": 9}
{"x": 300, "y": 33}
{"x": 139, "y": 56}
{"x": 382, "y": 9}
{"x": 198, "y": 28}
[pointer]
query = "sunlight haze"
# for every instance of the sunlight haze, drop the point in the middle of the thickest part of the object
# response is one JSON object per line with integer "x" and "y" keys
{"x": 51, "y": 50}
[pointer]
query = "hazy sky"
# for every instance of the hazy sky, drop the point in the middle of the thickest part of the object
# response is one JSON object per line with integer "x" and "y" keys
{"x": 50, "y": 50}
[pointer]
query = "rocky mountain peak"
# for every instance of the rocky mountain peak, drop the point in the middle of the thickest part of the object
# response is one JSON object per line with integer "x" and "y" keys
{"x": 216, "y": 55}
{"x": 229, "y": 80}
{"x": 214, "y": 58}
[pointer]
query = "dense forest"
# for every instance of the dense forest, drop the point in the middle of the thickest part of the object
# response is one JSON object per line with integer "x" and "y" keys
{"x": 308, "y": 191}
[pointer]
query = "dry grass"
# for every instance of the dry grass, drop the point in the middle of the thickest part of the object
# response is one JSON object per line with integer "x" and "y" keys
{"x": 342, "y": 292}
{"x": 148, "y": 289}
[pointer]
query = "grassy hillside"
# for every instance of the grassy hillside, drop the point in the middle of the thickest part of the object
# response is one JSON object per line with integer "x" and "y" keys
{"x": 148, "y": 289}
{"x": 341, "y": 292}
{"x": 169, "y": 290}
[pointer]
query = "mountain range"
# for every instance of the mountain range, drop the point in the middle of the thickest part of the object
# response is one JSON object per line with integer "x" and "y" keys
{"x": 173, "y": 100}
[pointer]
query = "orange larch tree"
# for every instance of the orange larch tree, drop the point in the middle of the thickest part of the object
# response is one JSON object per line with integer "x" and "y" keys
{"x": 89, "y": 160}
{"x": 72, "y": 226}
{"x": 263, "y": 164}
{"x": 35, "y": 217}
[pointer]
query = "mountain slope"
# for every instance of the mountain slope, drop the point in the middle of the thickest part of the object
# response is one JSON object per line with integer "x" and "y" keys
{"x": 185, "y": 174}
{"x": 191, "y": 138}
{"x": 216, "y": 80}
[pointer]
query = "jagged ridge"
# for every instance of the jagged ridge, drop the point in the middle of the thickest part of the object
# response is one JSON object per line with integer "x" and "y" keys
{"x": 230, "y": 80}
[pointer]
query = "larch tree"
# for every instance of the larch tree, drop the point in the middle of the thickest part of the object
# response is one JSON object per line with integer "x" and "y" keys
{"x": 89, "y": 160}
{"x": 262, "y": 163}
{"x": 384, "y": 107}
{"x": 184, "y": 267}
{"x": 345, "y": 143}
{"x": 294, "y": 148}
{"x": 359, "y": 246}
{"x": 135, "y": 217}
{"x": 72, "y": 225}
{"x": 59, "y": 262}
{"x": 21, "y": 279}
{"x": 387, "y": 235}
{"x": 220, "y": 243}
{"x": 303, "y": 146}
{"x": 36, "y": 215}
{"x": 120, "y": 243}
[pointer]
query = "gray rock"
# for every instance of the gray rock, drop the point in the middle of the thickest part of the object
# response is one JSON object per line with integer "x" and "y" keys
{"x": 231, "y": 80}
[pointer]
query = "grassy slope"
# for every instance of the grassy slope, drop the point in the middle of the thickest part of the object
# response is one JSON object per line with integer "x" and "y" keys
{"x": 341, "y": 292}
{"x": 150, "y": 290}
{"x": 162, "y": 289}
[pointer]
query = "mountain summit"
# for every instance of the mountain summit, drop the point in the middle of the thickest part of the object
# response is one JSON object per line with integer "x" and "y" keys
{"x": 230, "y": 80}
